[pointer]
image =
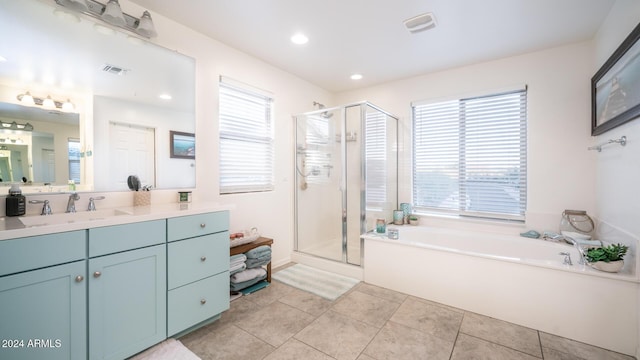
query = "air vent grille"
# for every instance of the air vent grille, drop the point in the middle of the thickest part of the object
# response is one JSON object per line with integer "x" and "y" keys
{"x": 420, "y": 23}
{"x": 115, "y": 70}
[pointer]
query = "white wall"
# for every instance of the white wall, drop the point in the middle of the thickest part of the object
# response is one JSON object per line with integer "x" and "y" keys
{"x": 617, "y": 168}
{"x": 559, "y": 167}
{"x": 271, "y": 212}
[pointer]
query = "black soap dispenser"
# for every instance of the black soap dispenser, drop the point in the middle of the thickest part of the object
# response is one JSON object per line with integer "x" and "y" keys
{"x": 16, "y": 202}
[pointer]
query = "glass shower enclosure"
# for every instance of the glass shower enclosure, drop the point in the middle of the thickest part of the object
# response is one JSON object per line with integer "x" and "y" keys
{"x": 346, "y": 177}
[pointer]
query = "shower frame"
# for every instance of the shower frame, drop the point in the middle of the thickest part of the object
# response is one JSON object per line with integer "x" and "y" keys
{"x": 342, "y": 111}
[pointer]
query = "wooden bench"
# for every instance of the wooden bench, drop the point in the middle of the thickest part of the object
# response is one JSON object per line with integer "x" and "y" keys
{"x": 252, "y": 245}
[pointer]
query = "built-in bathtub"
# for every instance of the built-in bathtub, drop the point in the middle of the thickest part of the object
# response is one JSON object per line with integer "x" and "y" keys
{"x": 516, "y": 279}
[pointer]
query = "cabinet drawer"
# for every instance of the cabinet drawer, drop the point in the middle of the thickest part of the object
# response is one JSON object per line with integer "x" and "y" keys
{"x": 195, "y": 225}
{"x": 196, "y": 258}
{"x": 191, "y": 304}
{"x": 34, "y": 252}
{"x": 112, "y": 239}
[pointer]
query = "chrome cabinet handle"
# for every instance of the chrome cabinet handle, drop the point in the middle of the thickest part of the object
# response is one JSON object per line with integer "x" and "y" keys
{"x": 203, "y": 225}
{"x": 203, "y": 301}
{"x": 79, "y": 278}
{"x": 97, "y": 274}
{"x": 204, "y": 258}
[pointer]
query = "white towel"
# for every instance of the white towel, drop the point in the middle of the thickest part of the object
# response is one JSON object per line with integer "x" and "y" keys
{"x": 237, "y": 268}
{"x": 247, "y": 275}
{"x": 237, "y": 259}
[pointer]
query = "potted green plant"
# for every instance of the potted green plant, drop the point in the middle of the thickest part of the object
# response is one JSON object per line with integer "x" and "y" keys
{"x": 413, "y": 220}
{"x": 607, "y": 258}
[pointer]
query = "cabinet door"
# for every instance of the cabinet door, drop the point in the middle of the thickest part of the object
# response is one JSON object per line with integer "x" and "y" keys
{"x": 43, "y": 313}
{"x": 127, "y": 302}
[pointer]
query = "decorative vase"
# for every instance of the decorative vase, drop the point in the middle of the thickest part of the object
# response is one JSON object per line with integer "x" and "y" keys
{"x": 612, "y": 266}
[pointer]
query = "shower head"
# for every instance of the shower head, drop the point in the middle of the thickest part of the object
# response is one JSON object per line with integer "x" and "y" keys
{"x": 325, "y": 114}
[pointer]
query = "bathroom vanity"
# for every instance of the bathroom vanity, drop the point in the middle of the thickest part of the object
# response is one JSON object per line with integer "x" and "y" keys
{"x": 112, "y": 286}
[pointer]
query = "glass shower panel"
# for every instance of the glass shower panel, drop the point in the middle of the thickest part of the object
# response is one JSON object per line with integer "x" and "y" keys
{"x": 318, "y": 185}
{"x": 380, "y": 166}
{"x": 353, "y": 179}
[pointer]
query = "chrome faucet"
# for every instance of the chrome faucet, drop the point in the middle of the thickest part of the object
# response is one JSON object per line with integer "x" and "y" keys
{"x": 92, "y": 203}
{"x": 71, "y": 204}
{"x": 46, "y": 208}
{"x": 577, "y": 245}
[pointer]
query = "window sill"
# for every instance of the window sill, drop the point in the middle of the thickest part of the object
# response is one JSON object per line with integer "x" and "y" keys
{"x": 507, "y": 227}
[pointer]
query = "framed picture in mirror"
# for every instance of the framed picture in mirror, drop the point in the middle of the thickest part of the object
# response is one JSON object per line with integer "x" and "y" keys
{"x": 615, "y": 94}
{"x": 183, "y": 145}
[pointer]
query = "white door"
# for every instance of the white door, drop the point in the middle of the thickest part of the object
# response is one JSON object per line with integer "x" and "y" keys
{"x": 48, "y": 166}
{"x": 131, "y": 151}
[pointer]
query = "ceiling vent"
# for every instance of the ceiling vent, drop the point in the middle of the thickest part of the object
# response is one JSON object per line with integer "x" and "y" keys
{"x": 115, "y": 70}
{"x": 420, "y": 23}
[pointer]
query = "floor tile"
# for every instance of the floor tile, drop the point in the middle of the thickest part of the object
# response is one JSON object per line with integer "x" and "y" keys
{"x": 365, "y": 357}
{"x": 270, "y": 294}
{"x": 228, "y": 342}
{"x": 238, "y": 310}
{"x": 503, "y": 333}
{"x": 399, "y": 342}
{"x": 381, "y": 292}
{"x": 275, "y": 323}
{"x": 307, "y": 302}
{"x": 581, "y": 350}
{"x": 337, "y": 335}
{"x": 296, "y": 350}
{"x": 366, "y": 308}
{"x": 469, "y": 347}
{"x": 551, "y": 354}
{"x": 429, "y": 318}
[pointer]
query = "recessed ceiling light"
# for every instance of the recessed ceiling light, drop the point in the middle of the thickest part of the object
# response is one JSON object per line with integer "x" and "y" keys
{"x": 165, "y": 96}
{"x": 356, "y": 76}
{"x": 299, "y": 39}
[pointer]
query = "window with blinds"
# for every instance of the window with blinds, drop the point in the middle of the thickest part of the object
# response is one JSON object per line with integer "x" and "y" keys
{"x": 469, "y": 156}
{"x": 246, "y": 140}
{"x": 376, "y": 159}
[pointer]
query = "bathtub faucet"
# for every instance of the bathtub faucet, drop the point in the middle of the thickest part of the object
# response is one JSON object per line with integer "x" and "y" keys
{"x": 577, "y": 245}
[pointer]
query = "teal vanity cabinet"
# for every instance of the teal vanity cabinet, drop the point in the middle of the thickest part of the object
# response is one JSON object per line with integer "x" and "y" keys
{"x": 43, "y": 313}
{"x": 198, "y": 269}
{"x": 127, "y": 288}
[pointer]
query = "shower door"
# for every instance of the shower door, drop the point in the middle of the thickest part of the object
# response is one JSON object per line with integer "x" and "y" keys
{"x": 346, "y": 177}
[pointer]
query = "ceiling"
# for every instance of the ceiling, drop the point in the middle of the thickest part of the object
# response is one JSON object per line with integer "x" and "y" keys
{"x": 369, "y": 37}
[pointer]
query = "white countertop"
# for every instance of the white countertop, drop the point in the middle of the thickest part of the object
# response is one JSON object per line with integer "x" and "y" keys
{"x": 12, "y": 227}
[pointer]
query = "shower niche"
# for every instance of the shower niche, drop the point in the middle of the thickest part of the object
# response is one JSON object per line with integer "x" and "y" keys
{"x": 346, "y": 172}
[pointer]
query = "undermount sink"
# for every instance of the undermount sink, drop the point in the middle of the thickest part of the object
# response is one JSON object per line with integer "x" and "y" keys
{"x": 67, "y": 218}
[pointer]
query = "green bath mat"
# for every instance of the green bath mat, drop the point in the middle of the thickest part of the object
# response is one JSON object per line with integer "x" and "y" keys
{"x": 322, "y": 283}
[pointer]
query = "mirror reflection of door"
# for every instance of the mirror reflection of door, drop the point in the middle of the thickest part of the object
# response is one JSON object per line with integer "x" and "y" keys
{"x": 5, "y": 168}
{"x": 48, "y": 164}
{"x": 131, "y": 151}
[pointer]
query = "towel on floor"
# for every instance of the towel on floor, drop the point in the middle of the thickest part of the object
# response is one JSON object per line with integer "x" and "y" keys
{"x": 242, "y": 285}
{"x": 236, "y": 259}
{"x": 261, "y": 261}
{"x": 247, "y": 275}
{"x": 237, "y": 268}
{"x": 258, "y": 252}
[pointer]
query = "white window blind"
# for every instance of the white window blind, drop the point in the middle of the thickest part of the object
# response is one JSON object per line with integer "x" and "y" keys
{"x": 469, "y": 156}
{"x": 246, "y": 140}
{"x": 376, "y": 159}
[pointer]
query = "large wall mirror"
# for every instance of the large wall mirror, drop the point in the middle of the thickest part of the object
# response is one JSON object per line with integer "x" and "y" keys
{"x": 128, "y": 96}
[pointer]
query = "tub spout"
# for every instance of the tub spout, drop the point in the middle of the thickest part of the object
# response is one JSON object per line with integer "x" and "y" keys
{"x": 577, "y": 245}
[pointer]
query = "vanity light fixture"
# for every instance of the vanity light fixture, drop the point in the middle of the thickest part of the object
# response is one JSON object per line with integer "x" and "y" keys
{"x": 15, "y": 126}
{"x": 48, "y": 102}
{"x": 112, "y": 14}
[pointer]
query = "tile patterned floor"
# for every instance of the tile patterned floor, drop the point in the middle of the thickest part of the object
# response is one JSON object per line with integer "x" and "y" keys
{"x": 371, "y": 323}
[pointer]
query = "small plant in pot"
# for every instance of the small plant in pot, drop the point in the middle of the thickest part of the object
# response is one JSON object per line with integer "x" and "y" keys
{"x": 607, "y": 258}
{"x": 413, "y": 220}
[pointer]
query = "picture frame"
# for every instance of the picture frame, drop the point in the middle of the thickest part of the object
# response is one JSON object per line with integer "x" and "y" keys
{"x": 182, "y": 145}
{"x": 615, "y": 94}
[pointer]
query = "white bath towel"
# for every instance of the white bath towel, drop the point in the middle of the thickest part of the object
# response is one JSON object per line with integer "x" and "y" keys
{"x": 247, "y": 275}
{"x": 237, "y": 268}
{"x": 237, "y": 259}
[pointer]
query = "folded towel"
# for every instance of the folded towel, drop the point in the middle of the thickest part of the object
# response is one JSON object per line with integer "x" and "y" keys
{"x": 237, "y": 258}
{"x": 237, "y": 268}
{"x": 594, "y": 243}
{"x": 242, "y": 285}
{"x": 255, "y": 263}
{"x": 258, "y": 252}
{"x": 247, "y": 275}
